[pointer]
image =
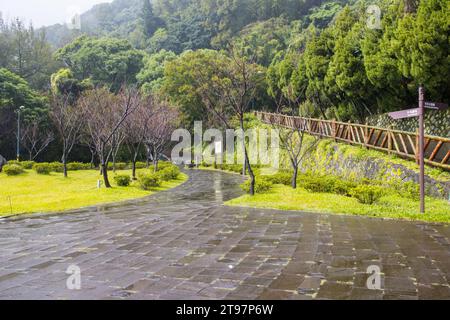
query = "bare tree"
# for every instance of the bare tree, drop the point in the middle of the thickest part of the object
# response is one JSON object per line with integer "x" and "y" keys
{"x": 68, "y": 120}
{"x": 294, "y": 140}
{"x": 116, "y": 143}
{"x": 137, "y": 127}
{"x": 35, "y": 137}
{"x": 231, "y": 92}
{"x": 105, "y": 115}
{"x": 159, "y": 133}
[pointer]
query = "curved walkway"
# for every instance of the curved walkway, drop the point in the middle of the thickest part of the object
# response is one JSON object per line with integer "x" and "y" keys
{"x": 184, "y": 244}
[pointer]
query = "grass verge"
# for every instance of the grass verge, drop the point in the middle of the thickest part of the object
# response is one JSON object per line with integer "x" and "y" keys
{"x": 31, "y": 193}
{"x": 390, "y": 206}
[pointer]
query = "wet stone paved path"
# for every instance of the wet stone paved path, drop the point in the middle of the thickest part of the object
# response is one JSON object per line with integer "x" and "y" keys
{"x": 185, "y": 244}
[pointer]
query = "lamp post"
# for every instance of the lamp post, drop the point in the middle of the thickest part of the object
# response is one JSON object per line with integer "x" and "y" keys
{"x": 21, "y": 108}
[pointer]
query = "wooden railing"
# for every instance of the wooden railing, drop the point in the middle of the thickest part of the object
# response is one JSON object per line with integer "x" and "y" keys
{"x": 402, "y": 143}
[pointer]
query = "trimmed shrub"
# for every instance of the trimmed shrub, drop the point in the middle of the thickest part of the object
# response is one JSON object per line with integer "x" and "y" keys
{"x": 122, "y": 180}
{"x": 169, "y": 173}
{"x": 42, "y": 168}
{"x": 27, "y": 164}
{"x": 13, "y": 169}
{"x": 149, "y": 181}
{"x": 75, "y": 166}
{"x": 367, "y": 194}
{"x": 15, "y": 162}
{"x": 284, "y": 178}
{"x": 140, "y": 165}
{"x": 119, "y": 166}
{"x": 320, "y": 184}
{"x": 163, "y": 164}
{"x": 56, "y": 166}
{"x": 343, "y": 187}
{"x": 261, "y": 185}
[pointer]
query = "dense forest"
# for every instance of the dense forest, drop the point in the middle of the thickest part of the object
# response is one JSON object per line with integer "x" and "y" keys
{"x": 315, "y": 58}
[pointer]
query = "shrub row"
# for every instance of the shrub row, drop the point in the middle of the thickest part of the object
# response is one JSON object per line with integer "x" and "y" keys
{"x": 166, "y": 172}
{"x": 368, "y": 192}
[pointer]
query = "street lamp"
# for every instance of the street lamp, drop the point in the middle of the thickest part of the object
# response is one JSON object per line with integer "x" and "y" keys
{"x": 21, "y": 108}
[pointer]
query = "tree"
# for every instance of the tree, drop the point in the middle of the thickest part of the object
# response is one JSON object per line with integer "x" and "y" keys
{"x": 36, "y": 136}
{"x": 26, "y": 52}
{"x": 105, "y": 115}
{"x": 295, "y": 141}
{"x": 137, "y": 128}
{"x": 150, "y": 21}
{"x": 151, "y": 76}
{"x": 106, "y": 61}
{"x": 68, "y": 119}
{"x": 421, "y": 48}
{"x": 164, "y": 121}
{"x": 264, "y": 40}
{"x": 63, "y": 82}
{"x": 16, "y": 92}
{"x": 181, "y": 83}
{"x": 230, "y": 92}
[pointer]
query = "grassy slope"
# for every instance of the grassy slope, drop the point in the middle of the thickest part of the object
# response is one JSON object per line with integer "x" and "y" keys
{"x": 40, "y": 193}
{"x": 392, "y": 206}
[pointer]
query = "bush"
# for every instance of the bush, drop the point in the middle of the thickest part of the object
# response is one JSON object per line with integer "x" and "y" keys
{"x": 169, "y": 173}
{"x": 42, "y": 168}
{"x": 122, "y": 180}
{"x": 149, "y": 181}
{"x": 280, "y": 178}
{"x": 27, "y": 164}
{"x": 410, "y": 190}
{"x": 140, "y": 165}
{"x": 75, "y": 166}
{"x": 320, "y": 184}
{"x": 119, "y": 166}
{"x": 367, "y": 194}
{"x": 13, "y": 169}
{"x": 261, "y": 185}
{"x": 56, "y": 166}
{"x": 343, "y": 187}
{"x": 163, "y": 164}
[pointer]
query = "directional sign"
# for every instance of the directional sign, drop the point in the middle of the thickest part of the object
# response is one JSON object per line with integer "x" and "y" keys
{"x": 436, "y": 105}
{"x": 408, "y": 113}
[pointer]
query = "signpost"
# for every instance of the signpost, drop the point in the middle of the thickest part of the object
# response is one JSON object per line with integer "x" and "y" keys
{"x": 420, "y": 112}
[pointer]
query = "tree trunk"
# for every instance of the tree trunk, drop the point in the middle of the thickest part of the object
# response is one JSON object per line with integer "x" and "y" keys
{"x": 147, "y": 163}
{"x": 133, "y": 168}
{"x": 114, "y": 163}
{"x": 64, "y": 162}
{"x": 105, "y": 175}
{"x": 155, "y": 160}
{"x": 247, "y": 162}
{"x": 294, "y": 178}
{"x": 251, "y": 174}
{"x": 92, "y": 160}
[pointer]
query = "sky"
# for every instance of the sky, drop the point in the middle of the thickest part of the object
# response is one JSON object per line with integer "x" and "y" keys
{"x": 45, "y": 12}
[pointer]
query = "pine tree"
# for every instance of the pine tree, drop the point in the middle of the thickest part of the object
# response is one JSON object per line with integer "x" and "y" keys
{"x": 150, "y": 21}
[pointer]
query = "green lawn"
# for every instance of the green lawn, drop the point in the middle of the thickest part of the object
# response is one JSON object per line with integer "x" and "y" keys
{"x": 392, "y": 206}
{"x": 30, "y": 192}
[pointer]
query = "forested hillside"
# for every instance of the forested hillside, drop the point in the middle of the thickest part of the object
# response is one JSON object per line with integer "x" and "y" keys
{"x": 179, "y": 25}
{"x": 315, "y": 58}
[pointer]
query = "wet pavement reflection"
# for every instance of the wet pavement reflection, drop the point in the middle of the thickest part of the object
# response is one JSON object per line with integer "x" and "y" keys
{"x": 185, "y": 244}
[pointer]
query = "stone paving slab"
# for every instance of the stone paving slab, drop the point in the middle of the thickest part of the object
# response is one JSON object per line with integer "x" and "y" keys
{"x": 185, "y": 244}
